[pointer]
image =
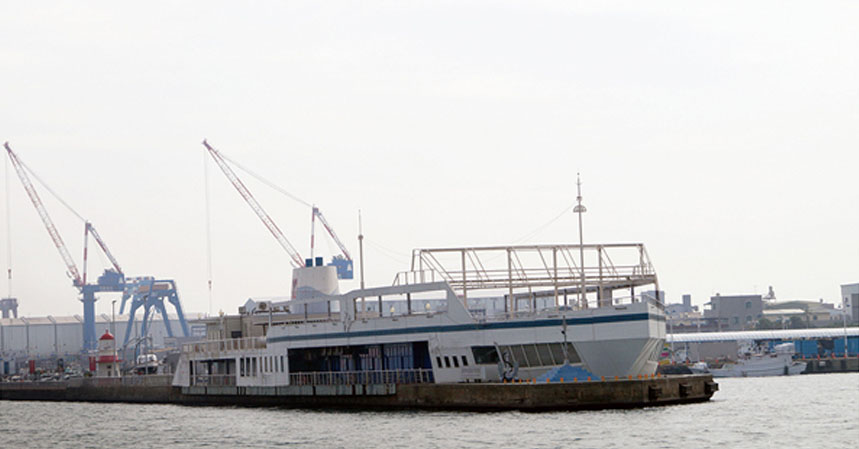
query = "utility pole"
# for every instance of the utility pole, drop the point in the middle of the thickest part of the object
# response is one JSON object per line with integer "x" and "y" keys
{"x": 580, "y": 209}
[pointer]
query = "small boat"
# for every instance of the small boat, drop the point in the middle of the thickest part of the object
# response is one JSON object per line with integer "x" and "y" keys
{"x": 778, "y": 363}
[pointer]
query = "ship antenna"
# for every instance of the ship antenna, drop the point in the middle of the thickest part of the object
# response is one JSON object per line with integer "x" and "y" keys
{"x": 580, "y": 209}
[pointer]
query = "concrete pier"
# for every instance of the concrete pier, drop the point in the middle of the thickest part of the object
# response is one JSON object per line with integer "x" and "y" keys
{"x": 626, "y": 393}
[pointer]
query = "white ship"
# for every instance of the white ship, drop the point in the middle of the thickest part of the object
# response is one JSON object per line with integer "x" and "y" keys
{"x": 758, "y": 364}
{"x": 576, "y": 305}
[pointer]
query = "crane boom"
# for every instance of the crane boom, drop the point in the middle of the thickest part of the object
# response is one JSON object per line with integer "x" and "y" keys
{"x": 297, "y": 261}
{"x": 46, "y": 219}
{"x": 103, "y": 246}
{"x": 318, "y": 213}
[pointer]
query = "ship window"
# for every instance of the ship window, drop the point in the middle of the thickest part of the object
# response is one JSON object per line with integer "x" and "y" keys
{"x": 546, "y": 355}
{"x": 282, "y": 367}
{"x": 241, "y": 367}
{"x": 519, "y": 355}
{"x": 484, "y": 355}
{"x": 464, "y": 361}
{"x": 253, "y": 366}
{"x": 438, "y": 362}
{"x": 455, "y": 362}
{"x": 531, "y": 356}
{"x": 446, "y": 362}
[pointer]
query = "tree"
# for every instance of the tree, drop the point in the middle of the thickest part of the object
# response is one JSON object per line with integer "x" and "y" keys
{"x": 796, "y": 323}
{"x": 765, "y": 324}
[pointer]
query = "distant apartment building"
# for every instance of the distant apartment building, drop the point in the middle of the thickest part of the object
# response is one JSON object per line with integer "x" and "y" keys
{"x": 678, "y": 309}
{"x": 660, "y": 295}
{"x": 735, "y": 312}
{"x": 850, "y": 298}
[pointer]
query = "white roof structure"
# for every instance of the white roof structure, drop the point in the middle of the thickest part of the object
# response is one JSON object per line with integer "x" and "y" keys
{"x": 780, "y": 334}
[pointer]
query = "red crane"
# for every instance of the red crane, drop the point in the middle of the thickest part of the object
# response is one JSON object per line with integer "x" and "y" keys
{"x": 297, "y": 260}
{"x": 318, "y": 214}
{"x": 46, "y": 219}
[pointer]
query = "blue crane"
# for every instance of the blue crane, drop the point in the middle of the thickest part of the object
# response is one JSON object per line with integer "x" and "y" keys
{"x": 112, "y": 280}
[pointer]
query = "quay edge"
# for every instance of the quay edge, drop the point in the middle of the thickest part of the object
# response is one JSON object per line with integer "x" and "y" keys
{"x": 619, "y": 394}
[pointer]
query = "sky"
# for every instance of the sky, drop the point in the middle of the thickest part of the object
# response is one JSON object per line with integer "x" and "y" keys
{"x": 724, "y": 136}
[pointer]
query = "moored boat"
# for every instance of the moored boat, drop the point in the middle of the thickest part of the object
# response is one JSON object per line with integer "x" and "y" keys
{"x": 555, "y": 312}
{"x": 780, "y": 362}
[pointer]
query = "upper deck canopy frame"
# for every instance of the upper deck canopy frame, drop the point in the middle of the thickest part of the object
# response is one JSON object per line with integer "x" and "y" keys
{"x": 527, "y": 270}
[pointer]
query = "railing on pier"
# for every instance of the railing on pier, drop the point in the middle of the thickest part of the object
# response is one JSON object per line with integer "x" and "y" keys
{"x": 412, "y": 376}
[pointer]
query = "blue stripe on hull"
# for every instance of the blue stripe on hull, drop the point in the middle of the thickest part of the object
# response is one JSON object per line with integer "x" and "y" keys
{"x": 471, "y": 327}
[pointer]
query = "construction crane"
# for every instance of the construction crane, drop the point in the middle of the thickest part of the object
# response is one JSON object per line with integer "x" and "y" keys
{"x": 344, "y": 262}
{"x": 297, "y": 261}
{"x": 112, "y": 280}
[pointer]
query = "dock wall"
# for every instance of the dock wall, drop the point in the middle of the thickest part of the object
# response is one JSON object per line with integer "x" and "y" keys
{"x": 487, "y": 396}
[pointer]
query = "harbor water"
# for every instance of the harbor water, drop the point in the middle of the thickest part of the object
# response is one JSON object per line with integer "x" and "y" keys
{"x": 797, "y": 411}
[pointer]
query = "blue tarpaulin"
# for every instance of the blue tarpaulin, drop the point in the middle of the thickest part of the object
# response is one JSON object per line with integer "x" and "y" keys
{"x": 567, "y": 372}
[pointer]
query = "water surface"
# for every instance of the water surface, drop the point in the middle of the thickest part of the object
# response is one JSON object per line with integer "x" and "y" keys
{"x": 799, "y": 411}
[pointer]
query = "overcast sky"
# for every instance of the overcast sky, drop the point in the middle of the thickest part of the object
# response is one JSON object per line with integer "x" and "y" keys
{"x": 724, "y": 136}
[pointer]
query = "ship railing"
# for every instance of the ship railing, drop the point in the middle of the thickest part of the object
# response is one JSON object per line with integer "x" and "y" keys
{"x": 573, "y": 305}
{"x": 214, "y": 380}
{"x": 231, "y": 344}
{"x": 409, "y": 376}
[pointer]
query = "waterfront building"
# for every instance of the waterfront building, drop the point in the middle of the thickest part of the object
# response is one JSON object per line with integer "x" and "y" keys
{"x": 809, "y": 343}
{"x": 735, "y": 312}
{"x": 850, "y": 301}
{"x": 51, "y": 337}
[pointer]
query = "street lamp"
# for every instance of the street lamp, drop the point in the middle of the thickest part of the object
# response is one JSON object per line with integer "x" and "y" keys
{"x": 580, "y": 209}
{"x": 113, "y": 331}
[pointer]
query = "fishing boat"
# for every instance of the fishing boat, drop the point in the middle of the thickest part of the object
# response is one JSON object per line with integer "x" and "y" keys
{"x": 758, "y": 363}
{"x": 576, "y": 306}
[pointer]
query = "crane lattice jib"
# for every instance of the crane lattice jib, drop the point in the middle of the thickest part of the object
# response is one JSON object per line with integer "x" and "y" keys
{"x": 103, "y": 246}
{"x": 332, "y": 234}
{"x": 257, "y": 208}
{"x": 46, "y": 219}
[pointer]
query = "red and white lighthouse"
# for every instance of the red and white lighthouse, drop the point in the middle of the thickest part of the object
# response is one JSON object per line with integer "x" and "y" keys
{"x": 107, "y": 361}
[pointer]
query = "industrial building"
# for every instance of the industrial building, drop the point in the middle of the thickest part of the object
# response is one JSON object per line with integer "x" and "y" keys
{"x": 809, "y": 343}
{"x": 58, "y": 337}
